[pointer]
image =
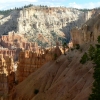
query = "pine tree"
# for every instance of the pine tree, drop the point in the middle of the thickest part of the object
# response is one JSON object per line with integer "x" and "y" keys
{"x": 84, "y": 58}
{"x": 94, "y": 55}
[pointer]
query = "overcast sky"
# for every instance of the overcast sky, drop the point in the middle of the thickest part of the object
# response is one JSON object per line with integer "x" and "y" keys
{"x": 7, "y": 4}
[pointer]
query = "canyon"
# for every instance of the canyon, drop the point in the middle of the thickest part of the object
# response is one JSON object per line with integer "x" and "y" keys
{"x": 34, "y": 63}
{"x": 88, "y": 33}
{"x": 44, "y": 24}
{"x": 20, "y": 58}
{"x": 63, "y": 79}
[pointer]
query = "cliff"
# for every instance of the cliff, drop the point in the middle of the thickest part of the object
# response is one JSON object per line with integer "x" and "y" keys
{"x": 88, "y": 33}
{"x": 51, "y": 23}
{"x": 64, "y": 79}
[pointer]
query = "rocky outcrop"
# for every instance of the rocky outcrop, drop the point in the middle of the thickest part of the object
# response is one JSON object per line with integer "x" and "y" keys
{"x": 64, "y": 79}
{"x": 13, "y": 43}
{"x": 88, "y": 33}
{"x": 29, "y": 62}
{"x": 12, "y": 40}
{"x": 50, "y": 22}
{"x": 6, "y": 77}
{"x": 9, "y": 22}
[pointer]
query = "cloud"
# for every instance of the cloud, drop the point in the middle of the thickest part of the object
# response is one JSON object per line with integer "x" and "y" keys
{"x": 8, "y": 4}
{"x": 2, "y": 7}
{"x": 89, "y": 5}
{"x": 14, "y": 1}
{"x": 74, "y": 5}
{"x": 51, "y": 4}
{"x": 52, "y": 1}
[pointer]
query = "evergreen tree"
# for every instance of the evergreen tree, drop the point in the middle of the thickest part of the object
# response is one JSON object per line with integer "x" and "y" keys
{"x": 91, "y": 52}
{"x": 94, "y": 55}
{"x": 64, "y": 47}
{"x": 77, "y": 46}
{"x": 84, "y": 58}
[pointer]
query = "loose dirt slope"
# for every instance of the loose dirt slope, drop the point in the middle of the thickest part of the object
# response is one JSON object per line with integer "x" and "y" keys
{"x": 64, "y": 79}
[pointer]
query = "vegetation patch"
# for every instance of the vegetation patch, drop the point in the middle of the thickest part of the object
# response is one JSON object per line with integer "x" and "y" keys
{"x": 84, "y": 58}
{"x": 55, "y": 56}
{"x": 36, "y": 91}
{"x": 77, "y": 46}
{"x": 94, "y": 55}
{"x": 64, "y": 47}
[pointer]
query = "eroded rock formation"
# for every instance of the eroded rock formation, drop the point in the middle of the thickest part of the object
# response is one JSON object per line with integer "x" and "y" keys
{"x": 50, "y": 22}
{"x": 6, "y": 77}
{"x": 30, "y": 61}
{"x": 13, "y": 43}
{"x": 62, "y": 80}
{"x": 88, "y": 33}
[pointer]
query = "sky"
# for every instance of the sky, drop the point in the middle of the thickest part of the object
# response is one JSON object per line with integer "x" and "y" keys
{"x": 89, "y": 4}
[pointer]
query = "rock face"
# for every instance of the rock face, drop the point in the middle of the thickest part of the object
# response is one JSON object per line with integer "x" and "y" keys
{"x": 88, "y": 33}
{"x": 9, "y": 23}
{"x": 64, "y": 79}
{"x": 6, "y": 76}
{"x": 12, "y": 40}
{"x": 30, "y": 61}
{"x": 50, "y": 22}
{"x": 13, "y": 43}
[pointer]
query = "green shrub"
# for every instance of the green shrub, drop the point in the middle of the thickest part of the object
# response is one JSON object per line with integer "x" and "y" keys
{"x": 95, "y": 54}
{"x": 84, "y": 58}
{"x": 55, "y": 56}
{"x": 91, "y": 52}
{"x": 77, "y": 46}
{"x": 36, "y": 91}
{"x": 98, "y": 39}
{"x": 64, "y": 47}
{"x": 72, "y": 49}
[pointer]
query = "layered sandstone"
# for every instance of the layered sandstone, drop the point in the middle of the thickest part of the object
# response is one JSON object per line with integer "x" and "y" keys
{"x": 88, "y": 33}
{"x": 13, "y": 43}
{"x": 30, "y": 61}
{"x": 64, "y": 79}
{"x": 6, "y": 77}
{"x": 50, "y": 22}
